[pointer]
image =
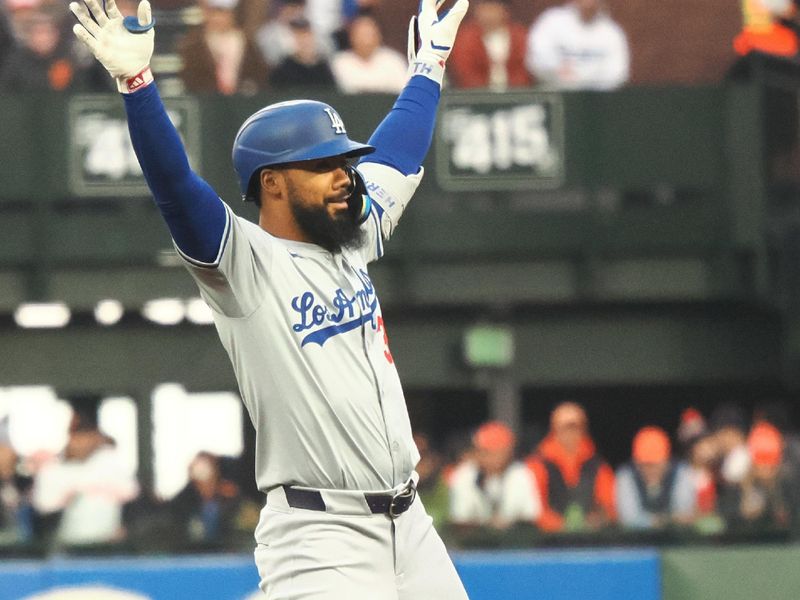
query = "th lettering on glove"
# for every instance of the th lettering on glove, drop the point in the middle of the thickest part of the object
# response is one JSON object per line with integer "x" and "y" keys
{"x": 431, "y": 37}
{"x": 122, "y": 45}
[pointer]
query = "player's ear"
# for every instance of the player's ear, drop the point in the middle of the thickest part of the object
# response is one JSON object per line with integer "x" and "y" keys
{"x": 273, "y": 183}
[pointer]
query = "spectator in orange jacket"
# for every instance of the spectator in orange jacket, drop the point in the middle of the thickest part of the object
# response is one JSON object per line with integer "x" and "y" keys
{"x": 576, "y": 485}
{"x": 768, "y": 27}
{"x": 491, "y": 50}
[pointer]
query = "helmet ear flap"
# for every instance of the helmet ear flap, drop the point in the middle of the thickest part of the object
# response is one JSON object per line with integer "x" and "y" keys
{"x": 253, "y": 193}
{"x": 359, "y": 203}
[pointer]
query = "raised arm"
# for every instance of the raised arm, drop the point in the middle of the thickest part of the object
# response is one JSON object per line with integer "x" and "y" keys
{"x": 404, "y": 137}
{"x": 392, "y": 173}
{"x": 195, "y": 215}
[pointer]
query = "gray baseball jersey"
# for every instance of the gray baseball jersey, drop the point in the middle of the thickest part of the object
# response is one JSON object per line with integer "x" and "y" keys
{"x": 304, "y": 331}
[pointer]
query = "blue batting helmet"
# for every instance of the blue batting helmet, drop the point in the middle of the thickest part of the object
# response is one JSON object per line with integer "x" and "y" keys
{"x": 288, "y": 132}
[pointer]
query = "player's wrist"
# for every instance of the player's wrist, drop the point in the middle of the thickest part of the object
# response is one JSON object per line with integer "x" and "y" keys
{"x": 428, "y": 65}
{"x": 128, "y": 84}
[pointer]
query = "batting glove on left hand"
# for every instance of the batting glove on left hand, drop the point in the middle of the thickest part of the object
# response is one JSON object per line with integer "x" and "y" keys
{"x": 123, "y": 46}
{"x": 431, "y": 37}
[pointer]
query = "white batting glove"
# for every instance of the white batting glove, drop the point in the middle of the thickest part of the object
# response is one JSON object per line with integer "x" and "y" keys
{"x": 123, "y": 46}
{"x": 431, "y": 37}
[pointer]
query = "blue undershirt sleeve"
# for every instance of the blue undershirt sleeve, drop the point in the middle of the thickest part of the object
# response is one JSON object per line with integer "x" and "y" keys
{"x": 404, "y": 137}
{"x": 194, "y": 214}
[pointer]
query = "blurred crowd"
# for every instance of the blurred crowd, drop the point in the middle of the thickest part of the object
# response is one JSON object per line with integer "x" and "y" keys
{"x": 728, "y": 474}
{"x": 213, "y": 46}
{"x": 87, "y": 497}
{"x": 723, "y": 475}
{"x": 246, "y": 46}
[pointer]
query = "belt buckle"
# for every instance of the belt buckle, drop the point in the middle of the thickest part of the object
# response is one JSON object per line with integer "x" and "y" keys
{"x": 402, "y": 500}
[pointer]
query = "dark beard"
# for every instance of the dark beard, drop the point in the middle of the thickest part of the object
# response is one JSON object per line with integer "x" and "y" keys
{"x": 332, "y": 233}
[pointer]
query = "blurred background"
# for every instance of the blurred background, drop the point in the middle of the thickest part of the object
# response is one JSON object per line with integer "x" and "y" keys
{"x": 593, "y": 300}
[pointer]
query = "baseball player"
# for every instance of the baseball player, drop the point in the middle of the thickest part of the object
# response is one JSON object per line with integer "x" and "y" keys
{"x": 296, "y": 310}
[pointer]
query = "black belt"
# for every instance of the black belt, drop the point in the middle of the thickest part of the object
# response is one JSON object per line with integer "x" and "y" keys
{"x": 392, "y": 505}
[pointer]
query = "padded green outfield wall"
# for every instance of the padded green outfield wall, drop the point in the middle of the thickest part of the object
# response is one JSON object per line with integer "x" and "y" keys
{"x": 733, "y": 573}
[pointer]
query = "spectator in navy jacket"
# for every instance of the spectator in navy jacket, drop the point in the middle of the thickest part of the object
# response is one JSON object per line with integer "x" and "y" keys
{"x": 652, "y": 490}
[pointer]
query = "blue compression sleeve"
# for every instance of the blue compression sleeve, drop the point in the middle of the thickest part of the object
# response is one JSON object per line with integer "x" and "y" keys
{"x": 194, "y": 213}
{"x": 403, "y": 138}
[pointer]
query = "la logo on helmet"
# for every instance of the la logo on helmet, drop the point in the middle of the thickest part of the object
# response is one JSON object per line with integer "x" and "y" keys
{"x": 336, "y": 120}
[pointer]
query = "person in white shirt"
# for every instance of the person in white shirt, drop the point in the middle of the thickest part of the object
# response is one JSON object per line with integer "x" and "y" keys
{"x": 277, "y": 38}
{"x": 90, "y": 485}
{"x": 578, "y": 46}
{"x": 368, "y": 66}
{"x": 326, "y": 17}
{"x": 491, "y": 488}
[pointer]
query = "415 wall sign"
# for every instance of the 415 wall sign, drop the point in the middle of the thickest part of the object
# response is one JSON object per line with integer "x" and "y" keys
{"x": 505, "y": 141}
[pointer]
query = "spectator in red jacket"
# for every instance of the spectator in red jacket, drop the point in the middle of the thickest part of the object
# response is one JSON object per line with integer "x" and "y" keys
{"x": 576, "y": 485}
{"x": 491, "y": 49}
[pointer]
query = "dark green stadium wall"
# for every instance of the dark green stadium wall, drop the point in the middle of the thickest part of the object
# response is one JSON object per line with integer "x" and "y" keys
{"x": 651, "y": 265}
